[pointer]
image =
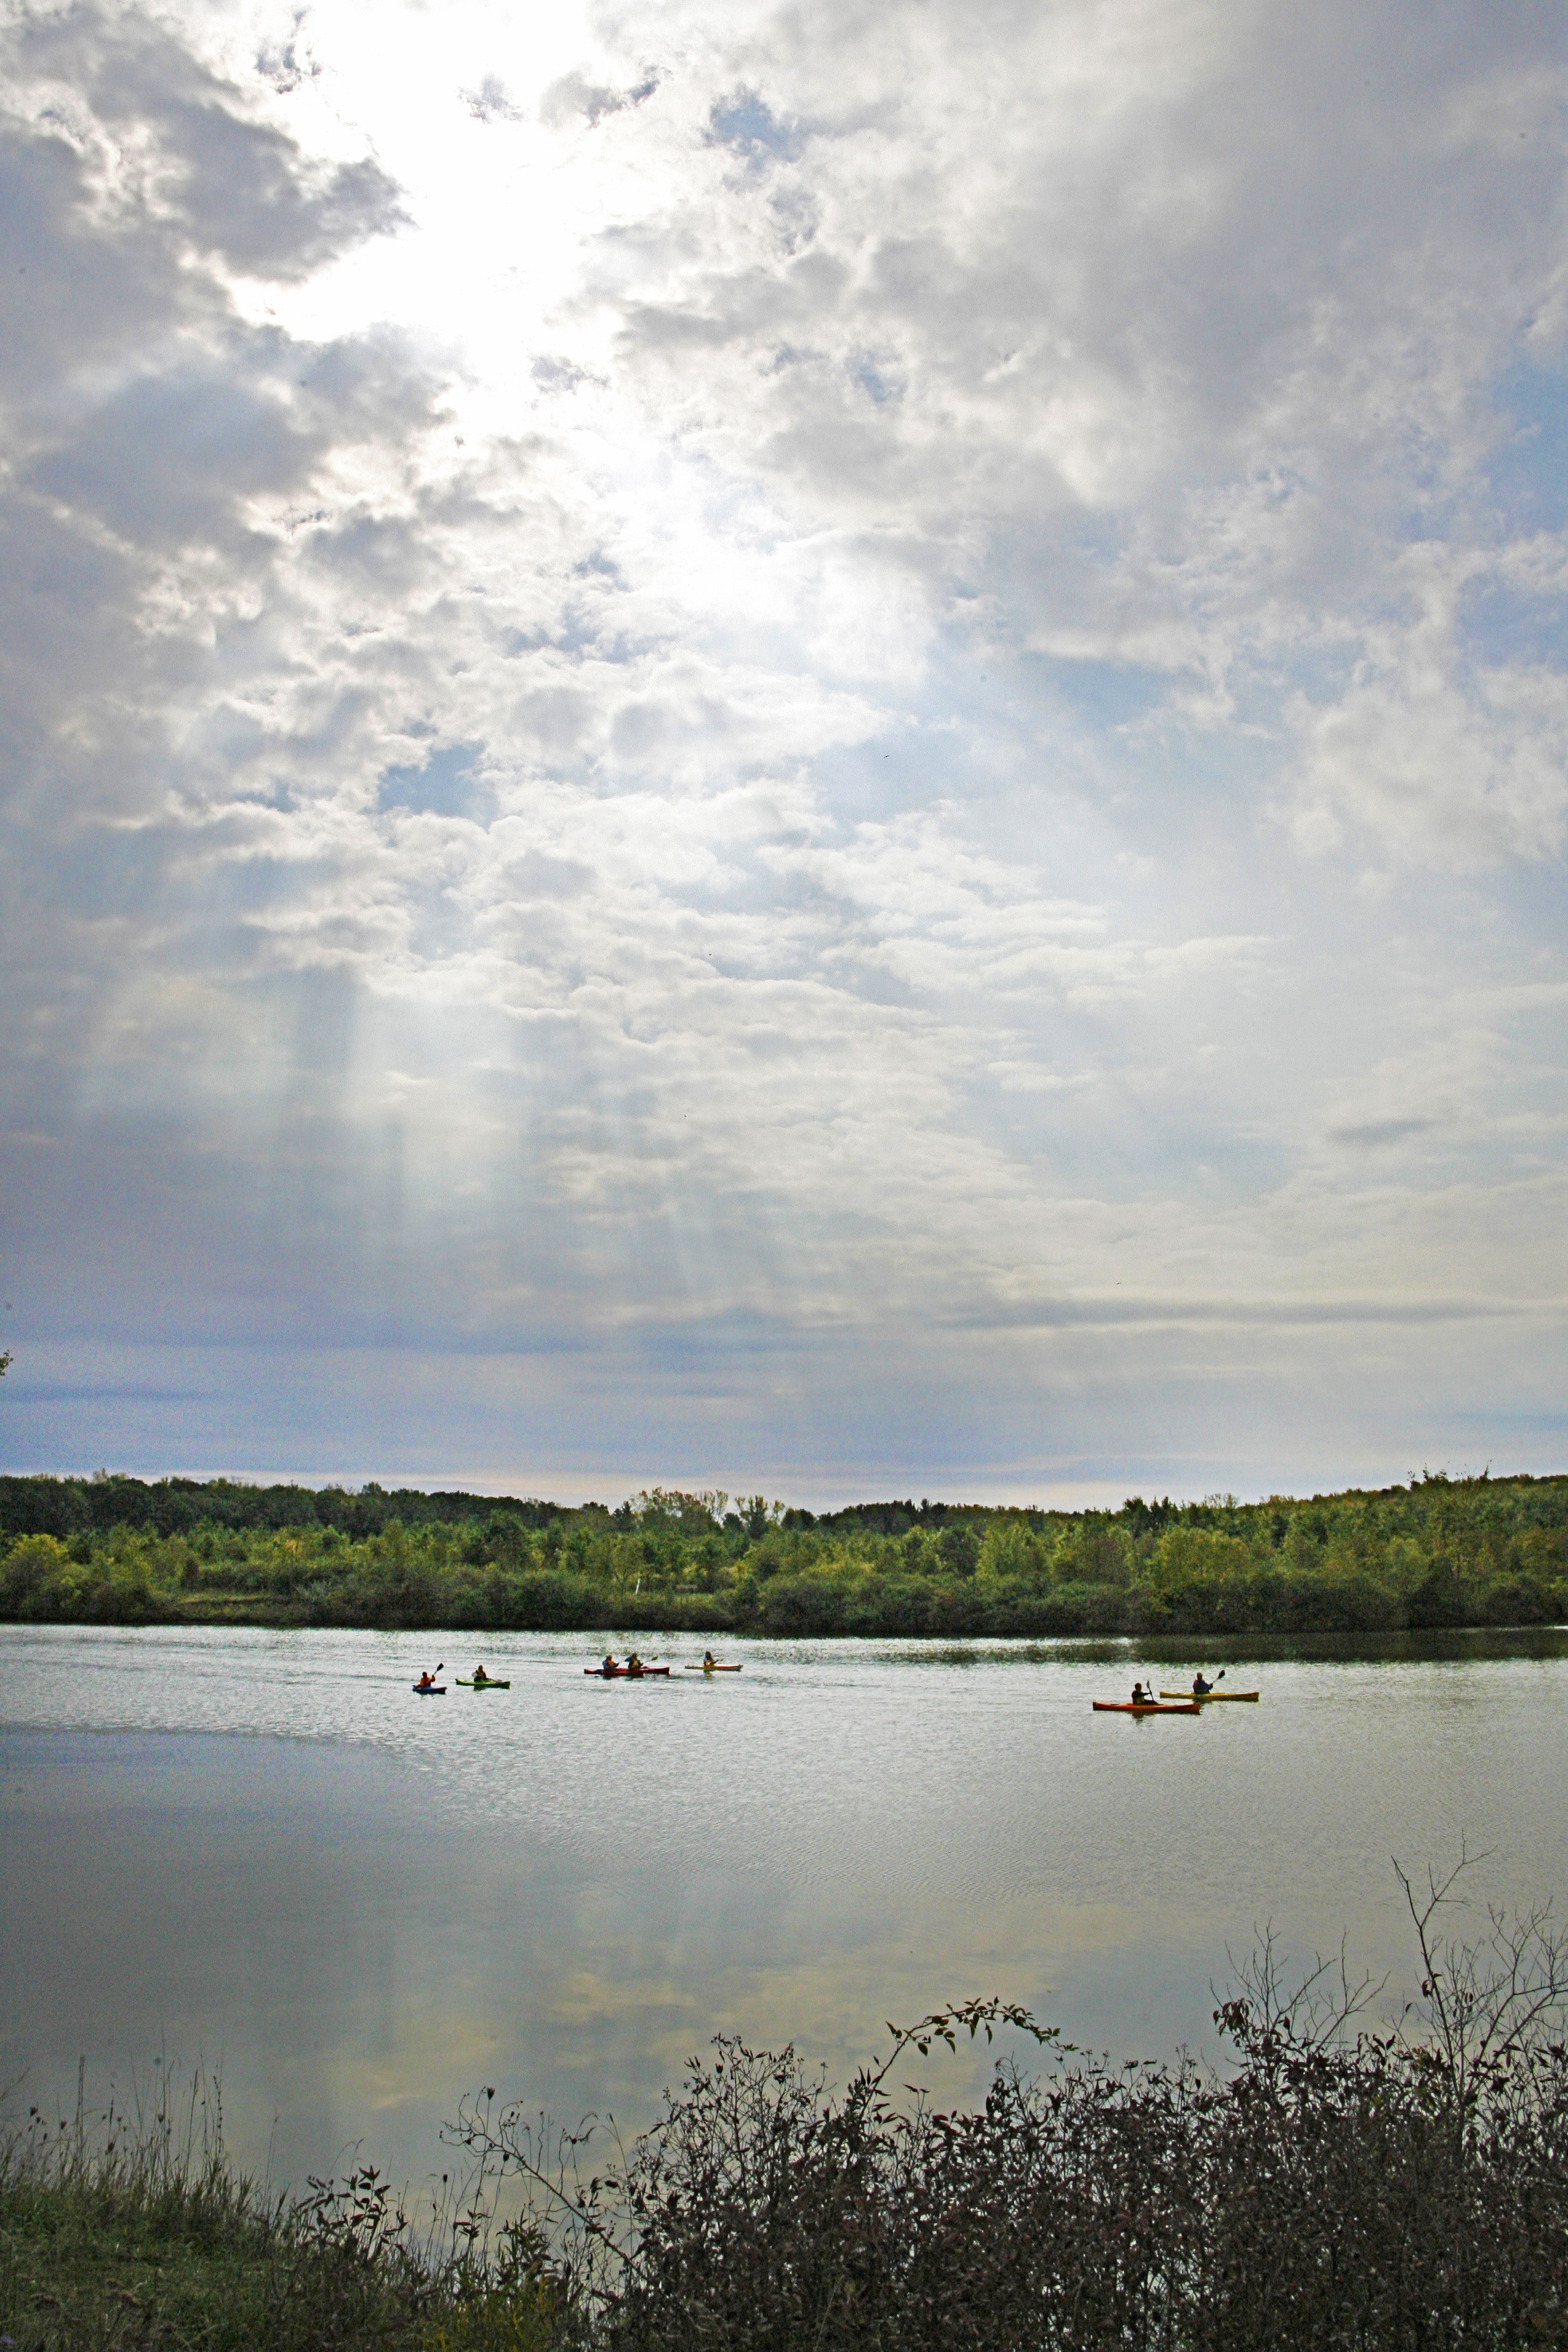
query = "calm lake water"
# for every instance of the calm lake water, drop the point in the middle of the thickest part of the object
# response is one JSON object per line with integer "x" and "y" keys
{"x": 259, "y": 1851}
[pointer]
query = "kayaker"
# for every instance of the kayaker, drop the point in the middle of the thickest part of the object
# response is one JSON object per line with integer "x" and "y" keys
{"x": 634, "y": 1664}
{"x": 480, "y": 1676}
{"x": 1139, "y": 1695}
{"x": 1200, "y": 1688}
{"x": 709, "y": 1661}
{"x": 609, "y": 1666}
{"x": 426, "y": 1682}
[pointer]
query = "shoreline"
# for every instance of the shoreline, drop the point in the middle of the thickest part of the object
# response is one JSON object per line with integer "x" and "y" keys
{"x": 1158, "y": 1635}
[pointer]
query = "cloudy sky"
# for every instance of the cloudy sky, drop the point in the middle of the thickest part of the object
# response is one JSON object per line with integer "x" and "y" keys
{"x": 808, "y": 746}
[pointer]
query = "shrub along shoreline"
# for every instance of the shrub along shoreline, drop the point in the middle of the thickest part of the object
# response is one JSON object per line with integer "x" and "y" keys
{"x": 1439, "y": 1553}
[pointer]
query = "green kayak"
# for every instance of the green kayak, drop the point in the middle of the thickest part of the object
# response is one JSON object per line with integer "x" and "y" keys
{"x": 490, "y": 1683}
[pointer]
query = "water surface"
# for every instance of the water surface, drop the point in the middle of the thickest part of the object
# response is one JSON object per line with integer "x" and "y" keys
{"x": 260, "y": 1850}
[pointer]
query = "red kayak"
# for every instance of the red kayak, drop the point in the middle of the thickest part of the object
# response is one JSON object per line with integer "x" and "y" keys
{"x": 1157, "y": 1706}
{"x": 629, "y": 1673}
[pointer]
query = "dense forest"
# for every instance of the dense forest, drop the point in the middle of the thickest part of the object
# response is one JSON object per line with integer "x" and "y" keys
{"x": 1438, "y": 1552}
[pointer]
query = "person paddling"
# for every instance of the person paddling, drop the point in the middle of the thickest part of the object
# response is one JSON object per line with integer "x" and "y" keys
{"x": 1200, "y": 1688}
{"x": 609, "y": 1666}
{"x": 426, "y": 1681}
{"x": 479, "y": 1677}
{"x": 634, "y": 1664}
{"x": 709, "y": 1661}
{"x": 1141, "y": 1698}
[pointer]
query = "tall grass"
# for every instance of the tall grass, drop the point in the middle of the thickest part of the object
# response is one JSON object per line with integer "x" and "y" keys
{"x": 130, "y": 2228}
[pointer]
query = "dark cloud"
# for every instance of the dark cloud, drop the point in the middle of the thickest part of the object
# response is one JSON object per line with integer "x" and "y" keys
{"x": 240, "y": 189}
{"x": 75, "y": 287}
{"x": 171, "y": 457}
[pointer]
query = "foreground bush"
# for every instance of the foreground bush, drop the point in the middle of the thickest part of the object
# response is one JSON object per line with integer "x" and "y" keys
{"x": 1337, "y": 2190}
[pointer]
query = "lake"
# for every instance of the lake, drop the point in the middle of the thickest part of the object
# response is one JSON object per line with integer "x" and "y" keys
{"x": 261, "y": 1852}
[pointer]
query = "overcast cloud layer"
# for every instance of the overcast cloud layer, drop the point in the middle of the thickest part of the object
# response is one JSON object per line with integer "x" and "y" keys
{"x": 806, "y": 745}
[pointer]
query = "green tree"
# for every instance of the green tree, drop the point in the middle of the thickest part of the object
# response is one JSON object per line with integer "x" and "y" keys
{"x": 959, "y": 1548}
{"x": 1010, "y": 1548}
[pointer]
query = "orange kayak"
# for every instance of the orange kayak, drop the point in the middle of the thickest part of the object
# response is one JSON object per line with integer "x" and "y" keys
{"x": 1151, "y": 1707}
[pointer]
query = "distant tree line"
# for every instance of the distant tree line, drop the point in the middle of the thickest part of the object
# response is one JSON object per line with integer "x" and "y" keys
{"x": 1439, "y": 1552}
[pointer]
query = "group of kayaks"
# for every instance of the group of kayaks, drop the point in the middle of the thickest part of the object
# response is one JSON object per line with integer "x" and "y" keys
{"x": 428, "y": 1687}
{"x": 1188, "y": 1702}
{"x": 611, "y": 1671}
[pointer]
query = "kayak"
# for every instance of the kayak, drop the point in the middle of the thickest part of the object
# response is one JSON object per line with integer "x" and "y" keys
{"x": 1208, "y": 1698}
{"x": 618, "y": 1674}
{"x": 1151, "y": 1707}
{"x": 429, "y": 1690}
{"x": 491, "y": 1682}
{"x": 714, "y": 1669}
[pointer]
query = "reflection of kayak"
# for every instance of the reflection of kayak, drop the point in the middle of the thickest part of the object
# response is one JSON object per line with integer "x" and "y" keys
{"x": 1150, "y": 1706}
{"x": 429, "y": 1690}
{"x": 1208, "y": 1698}
{"x": 617, "y": 1673}
{"x": 491, "y": 1682}
{"x": 714, "y": 1669}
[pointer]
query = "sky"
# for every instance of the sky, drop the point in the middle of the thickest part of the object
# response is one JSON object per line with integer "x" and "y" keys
{"x": 811, "y": 747}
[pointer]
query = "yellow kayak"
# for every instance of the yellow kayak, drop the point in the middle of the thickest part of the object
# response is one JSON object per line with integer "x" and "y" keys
{"x": 1206, "y": 1698}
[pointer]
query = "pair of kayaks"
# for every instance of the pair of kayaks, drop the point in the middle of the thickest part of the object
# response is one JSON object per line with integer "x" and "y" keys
{"x": 438, "y": 1690}
{"x": 1171, "y": 1702}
